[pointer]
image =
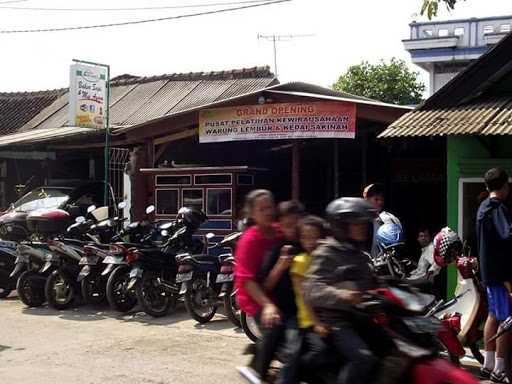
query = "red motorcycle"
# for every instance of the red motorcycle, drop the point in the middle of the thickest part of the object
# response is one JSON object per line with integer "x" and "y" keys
{"x": 413, "y": 339}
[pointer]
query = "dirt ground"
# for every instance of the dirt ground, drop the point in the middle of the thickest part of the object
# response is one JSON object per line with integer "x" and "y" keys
{"x": 89, "y": 346}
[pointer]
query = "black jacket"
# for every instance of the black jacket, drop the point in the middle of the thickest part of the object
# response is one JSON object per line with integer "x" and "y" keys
{"x": 494, "y": 239}
{"x": 336, "y": 266}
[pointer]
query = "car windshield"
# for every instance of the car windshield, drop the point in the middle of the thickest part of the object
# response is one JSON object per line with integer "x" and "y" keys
{"x": 41, "y": 198}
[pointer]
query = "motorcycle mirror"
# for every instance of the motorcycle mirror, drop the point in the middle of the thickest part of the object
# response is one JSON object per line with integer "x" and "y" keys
{"x": 210, "y": 235}
{"x": 91, "y": 208}
{"x": 150, "y": 209}
{"x": 80, "y": 220}
{"x": 164, "y": 233}
{"x": 122, "y": 205}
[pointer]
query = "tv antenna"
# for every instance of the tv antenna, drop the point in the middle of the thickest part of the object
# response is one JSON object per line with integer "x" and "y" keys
{"x": 275, "y": 38}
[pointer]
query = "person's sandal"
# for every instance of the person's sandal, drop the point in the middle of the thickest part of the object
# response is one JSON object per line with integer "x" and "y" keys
{"x": 500, "y": 377}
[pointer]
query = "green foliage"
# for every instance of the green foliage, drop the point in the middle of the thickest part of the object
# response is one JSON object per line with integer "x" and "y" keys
{"x": 430, "y": 7}
{"x": 389, "y": 82}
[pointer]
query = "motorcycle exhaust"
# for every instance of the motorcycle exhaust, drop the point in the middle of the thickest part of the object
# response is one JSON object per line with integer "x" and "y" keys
{"x": 168, "y": 287}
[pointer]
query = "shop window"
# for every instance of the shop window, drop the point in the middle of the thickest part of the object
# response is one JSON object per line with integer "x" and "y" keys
{"x": 245, "y": 180}
{"x": 427, "y": 33}
{"x": 174, "y": 180}
{"x": 443, "y": 33}
{"x": 488, "y": 29}
{"x": 166, "y": 201}
{"x": 213, "y": 179}
{"x": 505, "y": 28}
{"x": 218, "y": 201}
{"x": 193, "y": 198}
{"x": 459, "y": 31}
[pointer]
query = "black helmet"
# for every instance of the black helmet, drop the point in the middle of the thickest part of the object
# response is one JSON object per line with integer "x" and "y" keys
{"x": 193, "y": 218}
{"x": 349, "y": 210}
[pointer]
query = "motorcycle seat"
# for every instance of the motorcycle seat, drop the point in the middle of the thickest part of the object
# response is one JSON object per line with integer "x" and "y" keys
{"x": 205, "y": 259}
{"x": 224, "y": 257}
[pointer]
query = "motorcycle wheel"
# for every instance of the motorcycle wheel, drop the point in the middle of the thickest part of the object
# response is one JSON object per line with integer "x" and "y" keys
{"x": 232, "y": 309}
{"x": 59, "y": 290}
{"x": 250, "y": 327}
{"x": 196, "y": 301}
{"x": 30, "y": 288}
{"x": 475, "y": 351}
{"x": 6, "y": 281}
{"x": 152, "y": 296}
{"x": 4, "y": 292}
{"x": 93, "y": 290}
{"x": 118, "y": 296}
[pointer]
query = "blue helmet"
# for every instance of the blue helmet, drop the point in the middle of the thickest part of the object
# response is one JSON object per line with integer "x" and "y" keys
{"x": 390, "y": 235}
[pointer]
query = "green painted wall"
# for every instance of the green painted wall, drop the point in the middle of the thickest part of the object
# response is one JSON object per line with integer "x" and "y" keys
{"x": 469, "y": 156}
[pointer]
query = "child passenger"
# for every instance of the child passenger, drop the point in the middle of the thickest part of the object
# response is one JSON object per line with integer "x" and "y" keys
{"x": 306, "y": 347}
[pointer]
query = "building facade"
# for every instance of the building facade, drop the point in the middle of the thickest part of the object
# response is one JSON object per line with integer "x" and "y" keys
{"x": 445, "y": 48}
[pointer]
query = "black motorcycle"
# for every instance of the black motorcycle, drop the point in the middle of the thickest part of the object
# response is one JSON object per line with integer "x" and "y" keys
{"x": 154, "y": 271}
{"x": 225, "y": 277}
{"x": 8, "y": 255}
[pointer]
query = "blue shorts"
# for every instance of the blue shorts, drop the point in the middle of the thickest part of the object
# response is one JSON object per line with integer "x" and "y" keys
{"x": 499, "y": 301}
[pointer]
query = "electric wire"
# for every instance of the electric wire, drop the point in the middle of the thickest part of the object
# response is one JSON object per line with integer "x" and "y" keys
{"x": 144, "y": 21}
{"x": 202, "y": 5}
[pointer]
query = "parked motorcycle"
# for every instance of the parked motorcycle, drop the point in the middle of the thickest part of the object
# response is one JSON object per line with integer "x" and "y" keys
{"x": 154, "y": 272}
{"x": 225, "y": 277}
{"x": 8, "y": 255}
{"x": 120, "y": 288}
{"x": 62, "y": 287}
{"x": 92, "y": 282}
{"x": 467, "y": 311}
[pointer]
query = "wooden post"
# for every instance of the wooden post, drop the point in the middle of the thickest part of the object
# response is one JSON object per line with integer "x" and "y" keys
{"x": 296, "y": 170}
{"x": 336, "y": 168}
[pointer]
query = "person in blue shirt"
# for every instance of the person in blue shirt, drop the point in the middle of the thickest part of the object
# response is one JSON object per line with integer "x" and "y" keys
{"x": 494, "y": 241}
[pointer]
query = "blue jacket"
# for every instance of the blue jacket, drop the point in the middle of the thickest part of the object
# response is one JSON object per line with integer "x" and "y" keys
{"x": 494, "y": 239}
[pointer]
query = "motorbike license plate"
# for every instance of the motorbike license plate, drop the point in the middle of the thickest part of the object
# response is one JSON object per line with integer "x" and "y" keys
{"x": 224, "y": 278}
{"x": 181, "y": 277}
{"x": 8, "y": 245}
{"x": 88, "y": 260}
{"x": 113, "y": 260}
{"x": 135, "y": 273}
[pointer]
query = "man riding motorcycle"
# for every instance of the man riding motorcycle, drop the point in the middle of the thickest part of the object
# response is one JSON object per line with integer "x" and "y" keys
{"x": 335, "y": 282}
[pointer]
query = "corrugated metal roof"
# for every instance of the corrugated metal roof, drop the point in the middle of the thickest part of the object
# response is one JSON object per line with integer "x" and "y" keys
{"x": 18, "y": 108}
{"x": 132, "y": 102}
{"x": 205, "y": 93}
{"x": 163, "y": 101}
{"x": 244, "y": 86}
{"x": 135, "y": 100}
{"x": 492, "y": 116}
{"x": 41, "y": 135}
{"x": 46, "y": 113}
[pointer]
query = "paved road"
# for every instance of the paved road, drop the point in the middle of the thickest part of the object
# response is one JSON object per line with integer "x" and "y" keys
{"x": 86, "y": 346}
{"x": 89, "y": 346}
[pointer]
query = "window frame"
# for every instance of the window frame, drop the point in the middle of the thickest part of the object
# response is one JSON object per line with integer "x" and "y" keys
{"x": 177, "y": 201}
{"x": 456, "y": 33}
{"x": 213, "y": 174}
{"x": 192, "y": 189}
{"x": 172, "y": 185}
{"x": 230, "y": 201}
